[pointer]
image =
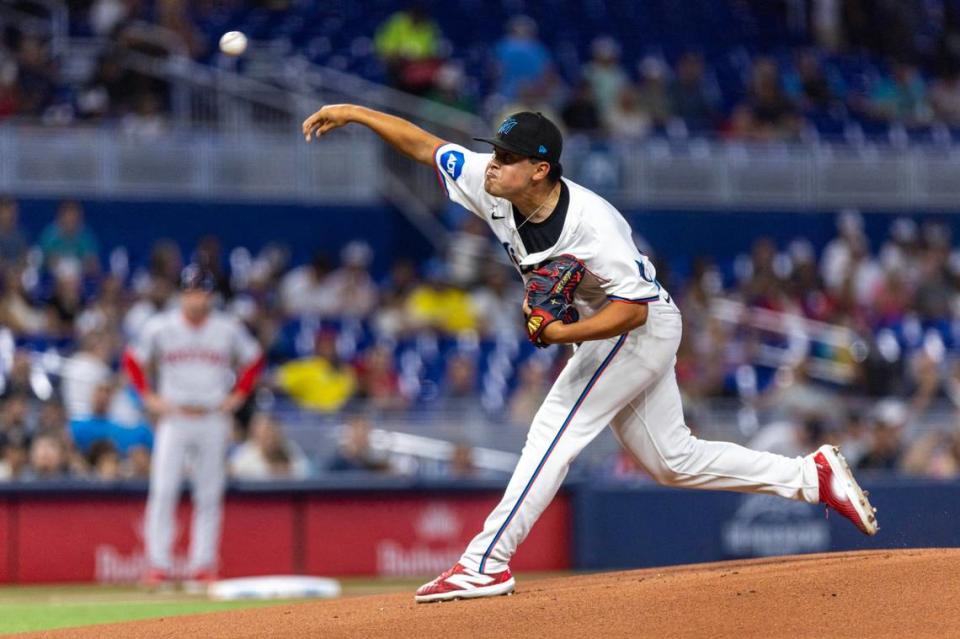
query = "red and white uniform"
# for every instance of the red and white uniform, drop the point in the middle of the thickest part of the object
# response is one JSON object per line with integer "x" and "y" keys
{"x": 626, "y": 382}
{"x": 197, "y": 367}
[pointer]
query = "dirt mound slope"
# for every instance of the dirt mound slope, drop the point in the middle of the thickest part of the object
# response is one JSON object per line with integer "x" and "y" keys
{"x": 894, "y": 593}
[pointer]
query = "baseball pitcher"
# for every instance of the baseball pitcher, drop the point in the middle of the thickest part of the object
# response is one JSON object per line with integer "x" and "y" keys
{"x": 586, "y": 285}
{"x": 206, "y": 364}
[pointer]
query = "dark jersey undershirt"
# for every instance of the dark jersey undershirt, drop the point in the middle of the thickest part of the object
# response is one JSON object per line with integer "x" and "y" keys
{"x": 541, "y": 236}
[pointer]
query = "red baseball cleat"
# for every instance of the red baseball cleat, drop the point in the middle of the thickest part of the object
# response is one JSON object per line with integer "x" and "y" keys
{"x": 199, "y": 580}
{"x": 156, "y": 579}
{"x": 840, "y": 491}
{"x": 463, "y": 583}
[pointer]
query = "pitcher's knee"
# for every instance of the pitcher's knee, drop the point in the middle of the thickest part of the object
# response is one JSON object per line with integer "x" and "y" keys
{"x": 666, "y": 474}
{"x": 673, "y": 470}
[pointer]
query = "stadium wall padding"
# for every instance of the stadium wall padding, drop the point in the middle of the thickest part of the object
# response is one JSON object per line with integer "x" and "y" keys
{"x": 75, "y": 532}
{"x": 622, "y": 526}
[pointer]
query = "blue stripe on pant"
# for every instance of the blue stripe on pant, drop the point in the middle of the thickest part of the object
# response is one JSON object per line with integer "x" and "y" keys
{"x": 553, "y": 444}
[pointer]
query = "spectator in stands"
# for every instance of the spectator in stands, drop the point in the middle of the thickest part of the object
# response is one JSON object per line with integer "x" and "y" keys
{"x": 462, "y": 465}
{"x": 48, "y": 459}
{"x": 837, "y": 257}
{"x": 18, "y": 420}
{"x": 267, "y": 454}
{"x": 810, "y": 87}
{"x": 933, "y": 294}
{"x": 52, "y": 418}
{"x": 581, "y": 114}
{"x": 104, "y": 460}
{"x": 303, "y": 290}
{"x": 900, "y": 97}
{"x": 137, "y": 463}
{"x": 532, "y": 387}
{"x": 603, "y": 75}
{"x": 450, "y": 90}
{"x": 351, "y": 285}
{"x": 17, "y": 310}
{"x": 355, "y": 452}
{"x": 98, "y": 425}
{"x": 13, "y": 241}
{"x": 36, "y": 76}
{"x": 437, "y": 304}
{"x": 901, "y": 251}
{"x": 408, "y": 43}
{"x": 208, "y": 255}
{"x": 86, "y": 372}
{"x": 67, "y": 239}
{"x": 459, "y": 389}
{"x": 156, "y": 295}
{"x": 19, "y": 382}
{"x": 104, "y": 312}
{"x": 627, "y": 120}
{"x": 792, "y": 437}
{"x": 495, "y": 303}
{"x": 854, "y": 436}
{"x": 767, "y": 114}
{"x": 945, "y": 97}
{"x": 935, "y": 454}
{"x": 522, "y": 62}
{"x": 378, "y": 382}
{"x": 9, "y": 93}
{"x": 468, "y": 250}
{"x": 174, "y": 16}
{"x": 322, "y": 382}
{"x": 13, "y": 459}
{"x": 652, "y": 92}
{"x": 66, "y": 303}
{"x": 690, "y": 96}
{"x": 886, "y": 445}
{"x": 106, "y": 16}
{"x": 146, "y": 121}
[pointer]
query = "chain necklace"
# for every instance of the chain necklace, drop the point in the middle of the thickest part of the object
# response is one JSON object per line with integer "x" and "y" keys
{"x": 542, "y": 204}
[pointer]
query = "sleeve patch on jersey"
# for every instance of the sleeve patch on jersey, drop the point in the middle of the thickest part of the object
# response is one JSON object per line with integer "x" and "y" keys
{"x": 452, "y": 163}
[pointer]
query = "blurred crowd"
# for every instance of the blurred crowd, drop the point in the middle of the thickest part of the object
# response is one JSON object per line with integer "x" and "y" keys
{"x": 859, "y": 61}
{"x": 847, "y": 342}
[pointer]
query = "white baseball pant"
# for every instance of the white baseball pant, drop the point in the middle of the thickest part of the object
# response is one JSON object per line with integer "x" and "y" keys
{"x": 203, "y": 442}
{"x": 628, "y": 383}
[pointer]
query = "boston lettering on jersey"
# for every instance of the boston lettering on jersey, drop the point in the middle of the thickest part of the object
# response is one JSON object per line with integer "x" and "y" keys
{"x": 193, "y": 354}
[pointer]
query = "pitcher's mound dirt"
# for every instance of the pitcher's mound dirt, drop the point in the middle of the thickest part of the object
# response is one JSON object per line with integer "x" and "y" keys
{"x": 904, "y": 593}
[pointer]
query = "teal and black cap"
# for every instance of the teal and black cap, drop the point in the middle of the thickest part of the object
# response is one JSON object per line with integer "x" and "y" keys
{"x": 529, "y": 134}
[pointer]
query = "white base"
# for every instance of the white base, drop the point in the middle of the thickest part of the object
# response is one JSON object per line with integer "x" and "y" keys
{"x": 274, "y": 587}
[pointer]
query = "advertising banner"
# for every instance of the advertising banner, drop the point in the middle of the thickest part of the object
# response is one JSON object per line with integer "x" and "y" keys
{"x": 416, "y": 535}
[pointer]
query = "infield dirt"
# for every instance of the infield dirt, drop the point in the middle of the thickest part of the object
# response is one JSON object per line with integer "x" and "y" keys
{"x": 895, "y": 593}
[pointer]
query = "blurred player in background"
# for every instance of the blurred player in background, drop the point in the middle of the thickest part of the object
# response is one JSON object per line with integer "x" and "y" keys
{"x": 206, "y": 364}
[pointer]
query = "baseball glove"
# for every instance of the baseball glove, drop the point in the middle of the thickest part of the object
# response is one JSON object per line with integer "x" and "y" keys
{"x": 550, "y": 290}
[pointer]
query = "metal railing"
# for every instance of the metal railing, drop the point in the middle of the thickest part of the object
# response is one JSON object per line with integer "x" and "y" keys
{"x": 48, "y": 18}
{"x": 98, "y": 162}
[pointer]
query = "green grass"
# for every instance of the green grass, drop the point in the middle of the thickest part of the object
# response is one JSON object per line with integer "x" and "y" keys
{"x": 32, "y": 608}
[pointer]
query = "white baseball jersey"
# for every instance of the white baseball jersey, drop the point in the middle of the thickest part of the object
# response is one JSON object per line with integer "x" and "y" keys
{"x": 594, "y": 232}
{"x": 626, "y": 382}
{"x": 195, "y": 363}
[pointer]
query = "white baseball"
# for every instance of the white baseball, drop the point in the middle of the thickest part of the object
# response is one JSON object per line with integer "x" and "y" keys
{"x": 233, "y": 43}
